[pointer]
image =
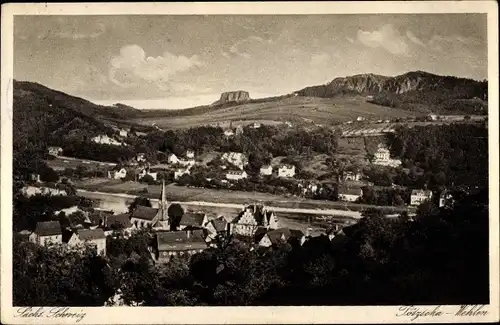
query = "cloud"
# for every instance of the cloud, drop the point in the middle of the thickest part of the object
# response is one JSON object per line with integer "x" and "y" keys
{"x": 387, "y": 37}
{"x": 414, "y": 38}
{"x": 236, "y": 48}
{"x": 74, "y": 32}
{"x": 132, "y": 66}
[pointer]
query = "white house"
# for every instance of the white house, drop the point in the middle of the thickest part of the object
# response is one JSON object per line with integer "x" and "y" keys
{"x": 180, "y": 172}
{"x": 172, "y": 159}
{"x": 34, "y": 190}
{"x": 286, "y": 171}
{"x": 141, "y": 157}
{"x": 253, "y": 217}
{"x": 349, "y": 194}
{"x": 235, "y": 158}
{"x": 419, "y": 196}
{"x": 55, "y": 151}
{"x": 383, "y": 158}
{"x": 104, "y": 139}
{"x": 189, "y": 154}
{"x": 360, "y": 118}
{"x": 228, "y": 133}
{"x": 236, "y": 175}
{"x": 445, "y": 199}
{"x": 95, "y": 238}
{"x": 117, "y": 174}
{"x": 280, "y": 235}
{"x": 187, "y": 162}
{"x": 266, "y": 170}
{"x": 352, "y": 176}
{"x": 46, "y": 233}
{"x": 123, "y": 133}
{"x": 255, "y": 125}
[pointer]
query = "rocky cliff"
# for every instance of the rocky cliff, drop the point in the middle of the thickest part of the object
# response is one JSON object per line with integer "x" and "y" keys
{"x": 371, "y": 84}
{"x": 416, "y": 91}
{"x": 238, "y": 96}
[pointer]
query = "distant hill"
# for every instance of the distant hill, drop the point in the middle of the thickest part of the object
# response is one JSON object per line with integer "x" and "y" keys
{"x": 43, "y": 116}
{"x": 415, "y": 91}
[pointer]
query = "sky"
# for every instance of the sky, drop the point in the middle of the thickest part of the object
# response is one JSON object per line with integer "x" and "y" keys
{"x": 184, "y": 61}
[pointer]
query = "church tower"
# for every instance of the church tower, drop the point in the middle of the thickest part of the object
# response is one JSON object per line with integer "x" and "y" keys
{"x": 163, "y": 208}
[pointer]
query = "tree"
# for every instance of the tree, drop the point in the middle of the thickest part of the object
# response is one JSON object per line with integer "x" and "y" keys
{"x": 140, "y": 200}
{"x": 148, "y": 179}
{"x": 47, "y": 174}
{"x": 175, "y": 213}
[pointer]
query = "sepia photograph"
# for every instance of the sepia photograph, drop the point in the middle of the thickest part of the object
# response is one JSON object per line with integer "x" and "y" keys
{"x": 262, "y": 160}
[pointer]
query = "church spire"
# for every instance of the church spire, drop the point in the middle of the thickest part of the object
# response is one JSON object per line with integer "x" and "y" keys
{"x": 163, "y": 202}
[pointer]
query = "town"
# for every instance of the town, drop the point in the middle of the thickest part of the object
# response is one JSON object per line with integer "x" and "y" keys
{"x": 293, "y": 192}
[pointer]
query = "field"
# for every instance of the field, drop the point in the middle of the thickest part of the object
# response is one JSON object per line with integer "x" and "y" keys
{"x": 60, "y": 163}
{"x": 186, "y": 194}
{"x": 298, "y": 110}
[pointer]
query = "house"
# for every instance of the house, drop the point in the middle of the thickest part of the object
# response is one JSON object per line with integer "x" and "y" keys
{"x": 143, "y": 217}
{"x": 349, "y": 194}
{"x": 419, "y": 196}
{"x": 55, "y": 151}
{"x": 117, "y": 173}
{"x": 360, "y": 118}
{"x": 123, "y": 133}
{"x": 183, "y": 244}
{"x": 116, "y": 221}
{"x": 288, "y": 124}
{"x": 432, "y": 117}
{"x": 189, "y": 154}
{"x": 236, "y": 175}
{"x": 239, "y": 130}
{"x": 352, "y": 176}
{"x": 95, "y": 238}
{"x": 255, "y": 125}
{"x": 445, "y": 199}
{"x": 148, "y": 217}
{"x": 228, "y": 133}
{"x": 251, "y": 218}
{"x": 35, "y": 178}
{"x": 146, "y": 171}
{"x": 42, "y": 190}
{"x": 193, "y": 221}
{"x": 140, "y": 134}
{"x": 266, "y": 170}
{"x": 47, "y": 233}
{"x": 172, "y": 159}
{"x": 104, "y": 139}
{"x": 217, "y": 226}
{"x": 281, "y": 235}
{"x": 180, "y": 172}
{"x": 141, "y": 157}
{"x": 187, "y": 162}
{"x": 383, "y": 157}
{"x": 286, "y": 171}
{"x": 235, "y": 158}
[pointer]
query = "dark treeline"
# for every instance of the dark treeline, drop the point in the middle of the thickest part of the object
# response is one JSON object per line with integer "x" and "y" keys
{"x": 448, "y": 154}
{"x": 379, "y": 261}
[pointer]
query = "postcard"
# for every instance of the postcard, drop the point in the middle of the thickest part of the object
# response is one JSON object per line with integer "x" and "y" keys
{"x": 249, "y": 163}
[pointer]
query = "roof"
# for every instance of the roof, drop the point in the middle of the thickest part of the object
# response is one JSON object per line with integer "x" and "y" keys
{"x": 287, "y": 166}
{"x": 265, "y": 167}
{"x": 91, "y": 234}
{"x": 144, "y": 212}
{"x": 350, "y": 190}
{"x": 220, "y": 224}
{"x": 123, "y": 220}
{"x": 236, "y": 172}
{"x": 421, "y": 192}
{"x": 192, "y": 219}
{"x": 277, "y": 234}
{"x": 48, "y": 228}
{"x": 260, "y": 214}
{"x": 180, "y": 240}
